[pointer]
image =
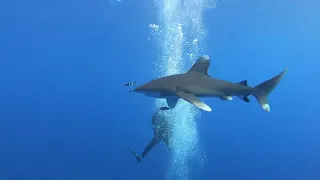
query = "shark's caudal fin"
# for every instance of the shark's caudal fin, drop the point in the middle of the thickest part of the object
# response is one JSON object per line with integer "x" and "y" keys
{"x": 262, "y": 91}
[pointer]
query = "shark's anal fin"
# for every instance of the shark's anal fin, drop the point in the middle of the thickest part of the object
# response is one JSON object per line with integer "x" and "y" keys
{"x": 193, "y": 100}
{"x": 244, "y": 98}
{"x": 172, "y": 101}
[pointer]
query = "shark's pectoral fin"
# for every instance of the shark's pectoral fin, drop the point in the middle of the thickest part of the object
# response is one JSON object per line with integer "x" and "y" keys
{"x": 193, "y": 100}
{"x": 172, "y": 101}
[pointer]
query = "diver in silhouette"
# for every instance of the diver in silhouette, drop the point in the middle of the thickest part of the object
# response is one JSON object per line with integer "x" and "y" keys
{"x": 161, "y": 132}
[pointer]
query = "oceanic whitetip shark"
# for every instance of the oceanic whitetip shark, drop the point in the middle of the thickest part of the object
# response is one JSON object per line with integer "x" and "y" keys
{"x": 196, "y": 83}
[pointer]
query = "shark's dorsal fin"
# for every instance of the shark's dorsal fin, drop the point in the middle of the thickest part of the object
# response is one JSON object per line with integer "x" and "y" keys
{"x": 244, "y": 82}
{"x": 201, "y": 66}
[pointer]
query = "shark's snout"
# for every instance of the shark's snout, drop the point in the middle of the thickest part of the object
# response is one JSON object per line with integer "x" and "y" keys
{"x": 138, "y": 89}
{"x": 150, "y": 86}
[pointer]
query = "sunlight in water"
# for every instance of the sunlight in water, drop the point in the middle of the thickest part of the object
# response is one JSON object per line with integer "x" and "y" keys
{"x": 180, "y": 34}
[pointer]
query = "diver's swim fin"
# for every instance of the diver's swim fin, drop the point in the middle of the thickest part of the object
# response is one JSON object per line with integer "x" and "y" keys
{"x": 138, "y": 157}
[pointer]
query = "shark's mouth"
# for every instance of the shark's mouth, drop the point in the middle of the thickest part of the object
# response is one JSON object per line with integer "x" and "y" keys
{"x": 180, "y": 35}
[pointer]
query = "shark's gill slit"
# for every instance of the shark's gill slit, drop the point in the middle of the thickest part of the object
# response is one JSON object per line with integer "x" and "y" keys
{"x": 181, "y": 32}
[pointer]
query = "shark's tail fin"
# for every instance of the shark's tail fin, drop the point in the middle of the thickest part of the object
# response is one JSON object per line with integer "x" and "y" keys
{"x": 262, "y": 91}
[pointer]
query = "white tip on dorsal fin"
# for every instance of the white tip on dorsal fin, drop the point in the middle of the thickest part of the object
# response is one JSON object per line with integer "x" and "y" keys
{"x": 202, "y": 65}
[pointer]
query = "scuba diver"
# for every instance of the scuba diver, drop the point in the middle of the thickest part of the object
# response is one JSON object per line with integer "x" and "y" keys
{"x": 161, "y": 131}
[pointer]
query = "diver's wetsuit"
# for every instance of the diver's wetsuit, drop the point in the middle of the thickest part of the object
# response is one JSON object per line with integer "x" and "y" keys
{"x": 160, "y": 131}
{"x": 151, "y": 145}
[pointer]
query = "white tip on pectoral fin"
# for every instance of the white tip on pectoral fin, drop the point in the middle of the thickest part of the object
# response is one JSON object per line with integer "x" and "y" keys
{"x": 193, "y": 100}
{"x": 266, "y": 107}
{"x": 202, "y": 106}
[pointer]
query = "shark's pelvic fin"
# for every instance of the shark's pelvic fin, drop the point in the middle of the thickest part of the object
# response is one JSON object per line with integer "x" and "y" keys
{"x": 193, "y": 100}
{"x": 172, "y": 101}
{"x": 224, "y": 98}
{"x": 262, "y": 91}
{"x": 201, "y": 65}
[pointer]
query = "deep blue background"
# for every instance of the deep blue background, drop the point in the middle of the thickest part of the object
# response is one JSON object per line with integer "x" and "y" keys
{"x": 64, "y": 113}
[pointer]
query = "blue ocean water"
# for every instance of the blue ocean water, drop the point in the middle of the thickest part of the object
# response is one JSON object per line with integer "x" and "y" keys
{"x": 65, "y": 113}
